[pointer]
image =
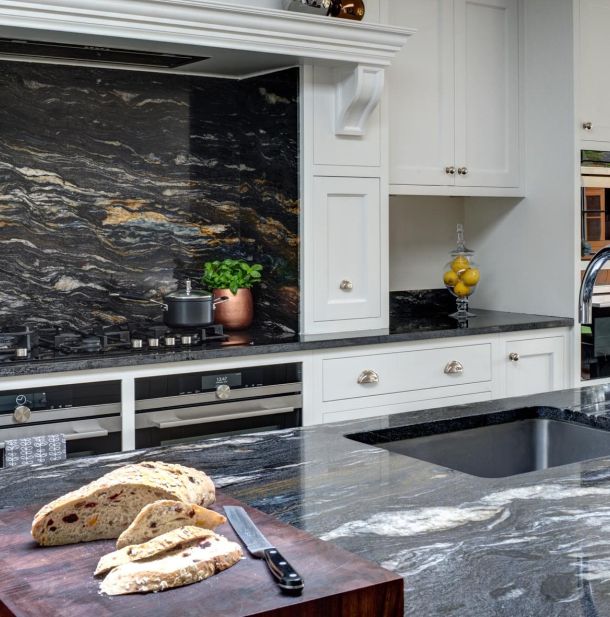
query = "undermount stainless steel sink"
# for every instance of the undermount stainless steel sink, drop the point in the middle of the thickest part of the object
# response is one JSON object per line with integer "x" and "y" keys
{"x": 502, "y": 448}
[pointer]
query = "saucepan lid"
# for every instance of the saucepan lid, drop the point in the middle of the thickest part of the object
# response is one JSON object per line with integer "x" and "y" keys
{"x": 188, "y": 293}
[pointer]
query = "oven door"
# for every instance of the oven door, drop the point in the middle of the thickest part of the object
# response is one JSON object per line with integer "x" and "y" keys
{"x": 83, "y": 437}
{"x": 191, "y": 423}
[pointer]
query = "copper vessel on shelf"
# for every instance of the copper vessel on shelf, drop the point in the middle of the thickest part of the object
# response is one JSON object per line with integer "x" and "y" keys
{"x": 237, "y": 312}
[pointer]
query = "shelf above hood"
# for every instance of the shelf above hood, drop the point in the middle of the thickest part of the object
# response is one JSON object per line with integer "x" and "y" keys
{"x": 236, "y": 40}
{"x": 227, "y": 40}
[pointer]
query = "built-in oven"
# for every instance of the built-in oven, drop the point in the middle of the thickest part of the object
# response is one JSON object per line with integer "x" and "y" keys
{"x": 187, "y": 407}
{"x": 89, "y": 415}
{"x": 595, "y": 235}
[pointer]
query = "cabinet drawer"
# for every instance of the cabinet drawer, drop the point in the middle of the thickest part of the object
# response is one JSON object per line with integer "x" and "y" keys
{"x": 388, "y": 373}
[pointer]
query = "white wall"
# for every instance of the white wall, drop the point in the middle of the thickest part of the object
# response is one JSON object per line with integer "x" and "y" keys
{"x": 527, "y": 248}
{"x": 422, "y": 232}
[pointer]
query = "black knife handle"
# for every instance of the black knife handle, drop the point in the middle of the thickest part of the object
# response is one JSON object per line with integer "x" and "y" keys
{"x": 286, "y": 576}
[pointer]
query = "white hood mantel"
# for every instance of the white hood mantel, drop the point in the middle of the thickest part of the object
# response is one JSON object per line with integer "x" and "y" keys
{"x": 239, "y": 40}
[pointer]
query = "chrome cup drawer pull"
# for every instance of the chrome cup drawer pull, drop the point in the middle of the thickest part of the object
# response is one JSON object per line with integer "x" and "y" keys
{"x": 368, "y": 376}
{"x": 454, "y": 368}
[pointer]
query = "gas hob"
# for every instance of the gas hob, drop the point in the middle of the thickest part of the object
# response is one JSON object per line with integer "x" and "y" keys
{"x": 23, "y": 343}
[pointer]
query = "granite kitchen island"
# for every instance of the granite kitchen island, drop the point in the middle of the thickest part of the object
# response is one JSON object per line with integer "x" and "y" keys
{"x": 532, "y": 544}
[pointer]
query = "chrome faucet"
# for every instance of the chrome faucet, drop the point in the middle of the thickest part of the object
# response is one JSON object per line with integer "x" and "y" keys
{"x": 585, "y": 302}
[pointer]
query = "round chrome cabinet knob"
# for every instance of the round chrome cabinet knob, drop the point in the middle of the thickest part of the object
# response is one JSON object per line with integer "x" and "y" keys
{"x": 368, "y": 376}
{"x": 454, "y": 368}
{"x": 223, "y": 392}
{"x": 450, "y": 171}
{"x": 22, "y": 414}
{"x": 462, "y": 171}
{"x": 346, "y": 285}
{"x": 514, "y": 357}
{"x": 588, "y": 126}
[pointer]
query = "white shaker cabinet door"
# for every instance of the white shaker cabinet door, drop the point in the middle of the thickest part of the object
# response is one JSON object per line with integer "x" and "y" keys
{"x": 487, "y": 93}
{"x": 594, "y": 74}
{"x": 346, "y": 249}
{"x": 534, "y": 365}
{"x": 421, "y": 94}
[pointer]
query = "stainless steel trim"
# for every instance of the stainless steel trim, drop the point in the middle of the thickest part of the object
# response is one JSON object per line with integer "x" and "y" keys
{"x": 210, "y": 397}
{"x": 53, "y": 415}
{"x": 215, "y": 413}
{"x": 81, "y": 429}
{"x": 177, "y": 421}
{"x": 86, "y": 434}
{"x": 585, "y": 300}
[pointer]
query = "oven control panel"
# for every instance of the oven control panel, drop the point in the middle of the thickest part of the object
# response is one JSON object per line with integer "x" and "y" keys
{"x": 220, "y": 382}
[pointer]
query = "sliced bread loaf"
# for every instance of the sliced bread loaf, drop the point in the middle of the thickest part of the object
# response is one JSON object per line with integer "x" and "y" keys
{"x": 104, "y": 508}
{"x": 177, "y": 538}
{"x": 164, "y": 515}
{"x": 179, "y": 567}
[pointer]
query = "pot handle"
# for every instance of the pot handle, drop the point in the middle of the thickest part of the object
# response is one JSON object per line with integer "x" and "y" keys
{"x": 120, "y": 296}
{"x": 220, "y": 300}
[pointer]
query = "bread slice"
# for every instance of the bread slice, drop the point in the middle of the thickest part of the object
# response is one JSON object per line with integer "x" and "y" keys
{"x": 177, "y": 538}
{"x": 104, "y": 508}
{"x": 179, "y": 567}
{"x": 164, "y": 515}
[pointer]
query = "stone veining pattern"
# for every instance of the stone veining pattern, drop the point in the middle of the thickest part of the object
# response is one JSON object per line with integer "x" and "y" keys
{"x": 534, "y": 544}
{"x": 128, "y": 181}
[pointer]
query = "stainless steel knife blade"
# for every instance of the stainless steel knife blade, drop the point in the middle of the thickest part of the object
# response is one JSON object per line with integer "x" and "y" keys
{"x": 250, "y": 535}
{"x": 285, "y": 575}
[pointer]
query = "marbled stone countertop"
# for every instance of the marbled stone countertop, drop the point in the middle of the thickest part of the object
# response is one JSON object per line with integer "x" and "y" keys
{"x": 412, "y": 318}
{"x": 536, "y": 544}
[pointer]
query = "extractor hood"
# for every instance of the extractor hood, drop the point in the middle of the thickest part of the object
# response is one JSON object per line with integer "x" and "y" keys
{"x": 208, "y": 38}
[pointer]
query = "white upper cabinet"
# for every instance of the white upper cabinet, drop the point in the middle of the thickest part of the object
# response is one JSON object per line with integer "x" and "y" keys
{"x": 454, "y": 98}
{"x": 594, "y": 74}
{"x": 421, "y": 95}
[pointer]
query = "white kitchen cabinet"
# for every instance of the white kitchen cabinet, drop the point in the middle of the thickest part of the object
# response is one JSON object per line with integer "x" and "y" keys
{"x": 334, "y": 150}
{"x": 401, "y": 371}
{"x": 345, "y": 248}
{"x": 534, "y": 365}
{"x": 454, "y": 97}
{"x": 355, "y": 383}
{"x": 594, "y": 75}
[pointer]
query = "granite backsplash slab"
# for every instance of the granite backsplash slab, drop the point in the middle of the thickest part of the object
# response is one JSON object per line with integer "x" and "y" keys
{"x": 129, "y": 181}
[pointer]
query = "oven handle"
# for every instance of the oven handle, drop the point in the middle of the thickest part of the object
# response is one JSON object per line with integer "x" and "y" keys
{"x": 176, "y": 421}
{"x": 102, "y": 432}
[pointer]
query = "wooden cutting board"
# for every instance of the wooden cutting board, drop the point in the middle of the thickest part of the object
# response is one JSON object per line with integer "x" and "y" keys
{"x": 58, "y": 581}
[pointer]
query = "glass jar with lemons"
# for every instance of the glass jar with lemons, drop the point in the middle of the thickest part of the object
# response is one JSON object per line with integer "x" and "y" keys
{"x": 461, "y": 276}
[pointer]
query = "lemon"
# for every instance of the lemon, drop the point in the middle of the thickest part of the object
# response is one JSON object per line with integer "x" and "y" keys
{"x": 460, "y": 263}
{"x": 461, "y": 290}
{"x": 470, "y": 276}
{"x": 450, "y": 278}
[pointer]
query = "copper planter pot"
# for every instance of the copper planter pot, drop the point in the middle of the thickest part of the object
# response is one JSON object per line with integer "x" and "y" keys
{"x": 237, "y": 312}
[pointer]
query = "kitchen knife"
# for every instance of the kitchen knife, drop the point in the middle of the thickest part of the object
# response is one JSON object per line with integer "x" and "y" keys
{"x": 285, "y": 575}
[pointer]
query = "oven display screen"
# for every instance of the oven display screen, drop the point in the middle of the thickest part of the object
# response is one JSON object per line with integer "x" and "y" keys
{"x": 211, "y": 382}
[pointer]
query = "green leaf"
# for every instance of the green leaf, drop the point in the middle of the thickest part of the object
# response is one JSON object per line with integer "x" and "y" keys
{"x": 231, "y": 274}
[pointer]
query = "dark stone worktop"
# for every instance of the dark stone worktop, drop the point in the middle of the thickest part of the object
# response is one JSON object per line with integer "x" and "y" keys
{"x": 412, "y": 318}
{"x": 537, "y": 544}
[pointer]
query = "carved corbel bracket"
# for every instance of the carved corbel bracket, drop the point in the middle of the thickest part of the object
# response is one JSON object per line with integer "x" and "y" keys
{"x": 357, "y": 95}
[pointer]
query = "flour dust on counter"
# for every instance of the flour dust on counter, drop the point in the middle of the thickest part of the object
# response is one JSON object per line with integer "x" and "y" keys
{"x": 120, "y": 181}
